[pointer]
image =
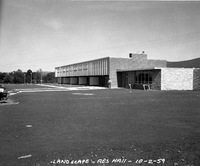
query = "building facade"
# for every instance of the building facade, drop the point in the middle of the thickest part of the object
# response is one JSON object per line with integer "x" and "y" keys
{"x": 161, "y": 78}
{"x": 134, "y": 72}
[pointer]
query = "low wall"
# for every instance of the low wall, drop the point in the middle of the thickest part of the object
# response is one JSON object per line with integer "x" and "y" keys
{"x": 176, "y": 79}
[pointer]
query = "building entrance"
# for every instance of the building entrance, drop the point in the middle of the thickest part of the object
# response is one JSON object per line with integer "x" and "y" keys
{"x": 122, "y": 79}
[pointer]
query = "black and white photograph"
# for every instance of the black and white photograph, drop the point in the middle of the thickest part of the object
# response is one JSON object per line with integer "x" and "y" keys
{"x": 99, "y": 83}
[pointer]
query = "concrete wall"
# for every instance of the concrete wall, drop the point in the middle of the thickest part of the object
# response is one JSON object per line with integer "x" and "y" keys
{"x": 196, "y": 79}
{"x": 176, "y": 79}
{"x": 94, "y": 81}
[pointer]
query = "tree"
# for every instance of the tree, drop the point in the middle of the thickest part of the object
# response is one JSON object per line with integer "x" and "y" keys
{"x": 2, "y": 75}
{"x": 19, "y": 76}
{"x": 29, "y": 76}
{"x": 49, "y": 77}
{"x": 38, "y": 76}
{"x": 8, "y": 78}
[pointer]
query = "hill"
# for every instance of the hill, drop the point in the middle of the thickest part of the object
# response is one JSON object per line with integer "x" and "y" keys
{"x": 186, "y": 64}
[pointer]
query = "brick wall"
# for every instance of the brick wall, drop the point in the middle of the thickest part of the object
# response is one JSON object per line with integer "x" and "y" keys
{"x": 137, "y": 61}
{"x": 176, "y": 79}
{"x": 196, "y": 79}
{"x": 156, "y": 80}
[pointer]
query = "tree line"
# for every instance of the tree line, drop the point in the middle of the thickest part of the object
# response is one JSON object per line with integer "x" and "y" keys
{"x": 19, "y": 77}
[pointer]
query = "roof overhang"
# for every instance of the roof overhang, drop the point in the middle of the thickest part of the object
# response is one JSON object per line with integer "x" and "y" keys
{"x": 139, "y": 69}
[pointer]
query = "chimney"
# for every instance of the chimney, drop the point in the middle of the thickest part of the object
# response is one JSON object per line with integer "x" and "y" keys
{"x": 131, "y": 55}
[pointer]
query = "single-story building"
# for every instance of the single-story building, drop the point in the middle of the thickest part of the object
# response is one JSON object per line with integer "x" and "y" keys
{"x": 135, "y": 72}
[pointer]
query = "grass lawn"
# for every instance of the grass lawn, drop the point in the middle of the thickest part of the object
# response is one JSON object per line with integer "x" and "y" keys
{"x": 54, "y": 128}
{"x": 10, "y": 87}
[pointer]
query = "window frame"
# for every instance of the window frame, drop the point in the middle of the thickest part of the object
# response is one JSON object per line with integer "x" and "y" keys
{"x": 143, "y": 77}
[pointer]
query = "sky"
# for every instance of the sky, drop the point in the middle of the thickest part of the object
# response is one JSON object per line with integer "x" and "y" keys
{"x": 44, "y": 34}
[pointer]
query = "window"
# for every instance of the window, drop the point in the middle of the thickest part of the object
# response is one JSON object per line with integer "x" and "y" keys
{"x": 80, "y": 68}
{"x": 75, "y": 68}
{"x": 143, "y": 77}
{"x": 85, "y": 67}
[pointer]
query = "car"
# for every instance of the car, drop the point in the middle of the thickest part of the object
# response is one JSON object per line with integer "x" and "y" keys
{"x": 3, "y": 93}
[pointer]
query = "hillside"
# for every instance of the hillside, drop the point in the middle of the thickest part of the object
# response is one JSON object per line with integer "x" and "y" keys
{"x": 186, "y": 64}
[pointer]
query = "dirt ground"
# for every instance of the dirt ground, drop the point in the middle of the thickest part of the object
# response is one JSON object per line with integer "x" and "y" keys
{"x": 100, "y": 128}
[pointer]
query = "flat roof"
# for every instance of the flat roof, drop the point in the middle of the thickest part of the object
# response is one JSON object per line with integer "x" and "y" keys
{"x": 82, "y": 62}
{"x": 153, "y": 68}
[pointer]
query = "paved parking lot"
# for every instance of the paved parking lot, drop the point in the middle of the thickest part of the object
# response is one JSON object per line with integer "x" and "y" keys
{"x": 95, "y": 127}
